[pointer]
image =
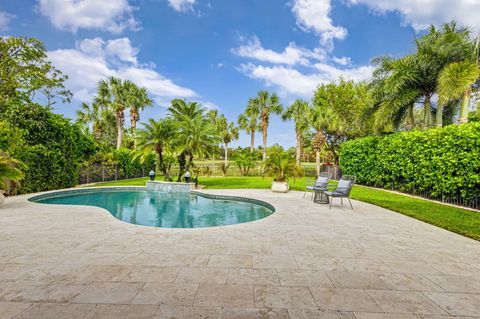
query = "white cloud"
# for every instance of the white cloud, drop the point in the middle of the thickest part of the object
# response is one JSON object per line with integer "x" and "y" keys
{"x": 95, "y": 59}
{"x": 290, "y": 56}
{"x": 421, "y": 13}
{"x": 342, "y": 61}
{"x": 182, "y": 5}
{"x": 5, "y": 19}
{"x": 293, "y": 82}
{"x": 112, "y": 15}
{"x": 315, "y": 15}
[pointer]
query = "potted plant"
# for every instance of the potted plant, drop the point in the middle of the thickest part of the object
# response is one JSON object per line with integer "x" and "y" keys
{"x": 280, "y": 165}
{"x": 9, "y": 173}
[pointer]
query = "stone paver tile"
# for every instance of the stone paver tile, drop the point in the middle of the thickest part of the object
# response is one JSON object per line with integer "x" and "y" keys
{"x": 274, "y": 262}
{"x": 462, "y": 269}
{"x": 56, "y": 310}
{"x": 152, "y": 274}
{"x": 108, "y": 292}
{"x": 370, "y": 315}
{"x": 244, "y": 276}
{"x": 235, "y": 296}
{"x": 358, "y": 280}
{"x": 283, "y": 297}
{"x": 452, "y": 283}
{"x": 255, "y": 314}
{"x": 314, "y": 278}
{"x": 165, "y": 312}
{"x": 169, "y": 294}
{"x": 230, "y": 261}
{"x": 41, "y": 292}
{"x": 411, "y": 267}
{"x": 107, "y": 311}
{"x": 319, "y": 314}
{"x": 457, "y": 304}
{"x": 343, "y": 299}
{"x": 319, "y": 263}
{"x": 101, "y": 273}
{"x": 60, "y": 273}
{"x": 404, "y": 302}
{"x": 216, "y": 276}
{"x": 184, "y": 260}
{"x": 365, "y": 265}
{"x": 412, "y": 282}
{"x": 10, "y": 309}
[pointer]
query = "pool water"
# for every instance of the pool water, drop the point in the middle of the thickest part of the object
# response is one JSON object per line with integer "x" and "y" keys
{"x": 171, "y": 210}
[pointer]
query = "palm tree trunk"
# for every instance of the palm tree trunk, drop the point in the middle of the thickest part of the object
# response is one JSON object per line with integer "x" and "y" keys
{"x": 264, "y": 155}
{"x": 410, "y": 118}
{"x": 464, "y": 107}
{"x": 439, "y": 115}
{"x": 226, "y": 154}
{"x": 317, "y": 162}
{"x": 252, "y": 141}
{"x": 133, "y": 125}
{"x": 299, "y": 147}
{"x": 119, "y": 129}
{"x": 427, "y": 119}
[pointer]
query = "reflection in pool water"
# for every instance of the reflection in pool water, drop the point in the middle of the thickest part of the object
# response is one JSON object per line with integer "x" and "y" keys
{"x": 172, "y": 210}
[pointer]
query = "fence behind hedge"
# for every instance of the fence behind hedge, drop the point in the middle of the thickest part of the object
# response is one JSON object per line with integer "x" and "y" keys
{"x": 441, "y": 164}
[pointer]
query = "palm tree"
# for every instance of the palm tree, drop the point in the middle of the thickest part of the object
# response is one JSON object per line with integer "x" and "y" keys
{"x": 457, "y": 78}
{"x": 248, "y": 121}
{"x": 112, "y": 94}
{"x": 228, "y": 133}
{"x": 138, "y": 101}
{"x": 264, "y": 105}
{"x": 156, "y": 136}
{"x": 320, "y": 119}
{"x": 298, "y": 112}
{"x": 180, "y": 108}
{"x": 100, "y": 119}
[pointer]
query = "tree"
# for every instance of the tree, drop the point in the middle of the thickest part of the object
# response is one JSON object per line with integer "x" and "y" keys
{"x": 298, "y": 112}
{"x": 138, "y": 100}
{"x": 265, "y": 104}
{"x": 10, "y": 171}
{"x": 101, "y": 121}
{"x": 157, "y": 136}
{"x": 245, "y": 160}
{"x": 114, "y": 95}
{"x": 228, "y": 133}
{"x": 27, "y": 76}
{"x": 248, "y": 121}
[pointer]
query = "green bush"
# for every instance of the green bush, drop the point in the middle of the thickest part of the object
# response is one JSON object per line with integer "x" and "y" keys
{"x": 442, "y": 162}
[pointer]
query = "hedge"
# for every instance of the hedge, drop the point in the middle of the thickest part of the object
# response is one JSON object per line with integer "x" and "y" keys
{"x": 442, "y": 162}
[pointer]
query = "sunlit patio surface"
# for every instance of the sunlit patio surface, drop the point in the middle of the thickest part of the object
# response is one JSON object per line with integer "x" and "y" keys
{"x": 304, "y": 261}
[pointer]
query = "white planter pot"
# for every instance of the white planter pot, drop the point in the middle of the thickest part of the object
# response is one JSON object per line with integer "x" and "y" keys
{"x": 2, "y": 198}
{"x": 280, "y": 187}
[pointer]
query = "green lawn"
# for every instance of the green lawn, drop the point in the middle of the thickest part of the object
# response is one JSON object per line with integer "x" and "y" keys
{"x": 457, "y": 220}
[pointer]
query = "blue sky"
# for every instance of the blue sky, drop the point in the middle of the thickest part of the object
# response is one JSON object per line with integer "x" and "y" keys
{"x": 220, "y": 52}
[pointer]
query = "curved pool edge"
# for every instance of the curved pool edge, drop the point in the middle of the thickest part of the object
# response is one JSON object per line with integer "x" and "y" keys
{"x": 31, "y": 198}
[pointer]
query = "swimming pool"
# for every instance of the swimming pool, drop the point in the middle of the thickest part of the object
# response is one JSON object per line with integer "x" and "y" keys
{"x": 170, "y": 210}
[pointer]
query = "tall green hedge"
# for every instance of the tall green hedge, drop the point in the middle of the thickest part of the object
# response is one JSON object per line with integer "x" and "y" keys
{"x": 443, "y": 162}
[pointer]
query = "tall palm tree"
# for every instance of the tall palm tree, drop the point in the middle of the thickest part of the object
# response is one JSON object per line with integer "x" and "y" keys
{"x": 248, "y": 121}
{"x": 228, "y": 133}
{"x": 138, "y": 99}
{"x": 298, "y": 113}
{"x": 321, "y": 119}
{"x": 265, "y": 104}
{"x": 112, "y": 94}
{"x": 100, "y": 119}
{"x": 156, "y": 136}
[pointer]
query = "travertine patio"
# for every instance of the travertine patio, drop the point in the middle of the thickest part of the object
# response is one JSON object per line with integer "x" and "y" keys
{"x": 304, "y": 261}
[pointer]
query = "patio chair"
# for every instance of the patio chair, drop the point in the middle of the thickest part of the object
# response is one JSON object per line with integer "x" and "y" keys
{"x": 320, "y": 184}
{"x": 342, "y": 190}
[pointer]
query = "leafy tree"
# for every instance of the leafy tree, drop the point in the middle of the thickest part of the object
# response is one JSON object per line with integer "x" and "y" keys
{"x": 228, "y": 133}
{"x": 264, "y": 104}
{"x": 279, "y": 165}
{"x": 27, "y": 76}
{"x": 100, "y": 120}
{"x": 298, "y": 112}
{"x": 245, "y": 160}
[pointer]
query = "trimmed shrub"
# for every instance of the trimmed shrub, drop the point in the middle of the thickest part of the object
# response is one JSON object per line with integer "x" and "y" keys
{"x": 442, "y": 162}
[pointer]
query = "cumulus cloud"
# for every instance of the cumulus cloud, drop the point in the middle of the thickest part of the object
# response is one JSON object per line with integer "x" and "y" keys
{"x": 421, "y": 13}
{"x": 5, "y": 19}
{"x": 182, "y": 5}
{"x": 291, "y": 81}
{"x": 314, "y": 15}
{"x": 95, "y": 59}
{"x": 291, "y": 55}
{"x": 112, "y": 15}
